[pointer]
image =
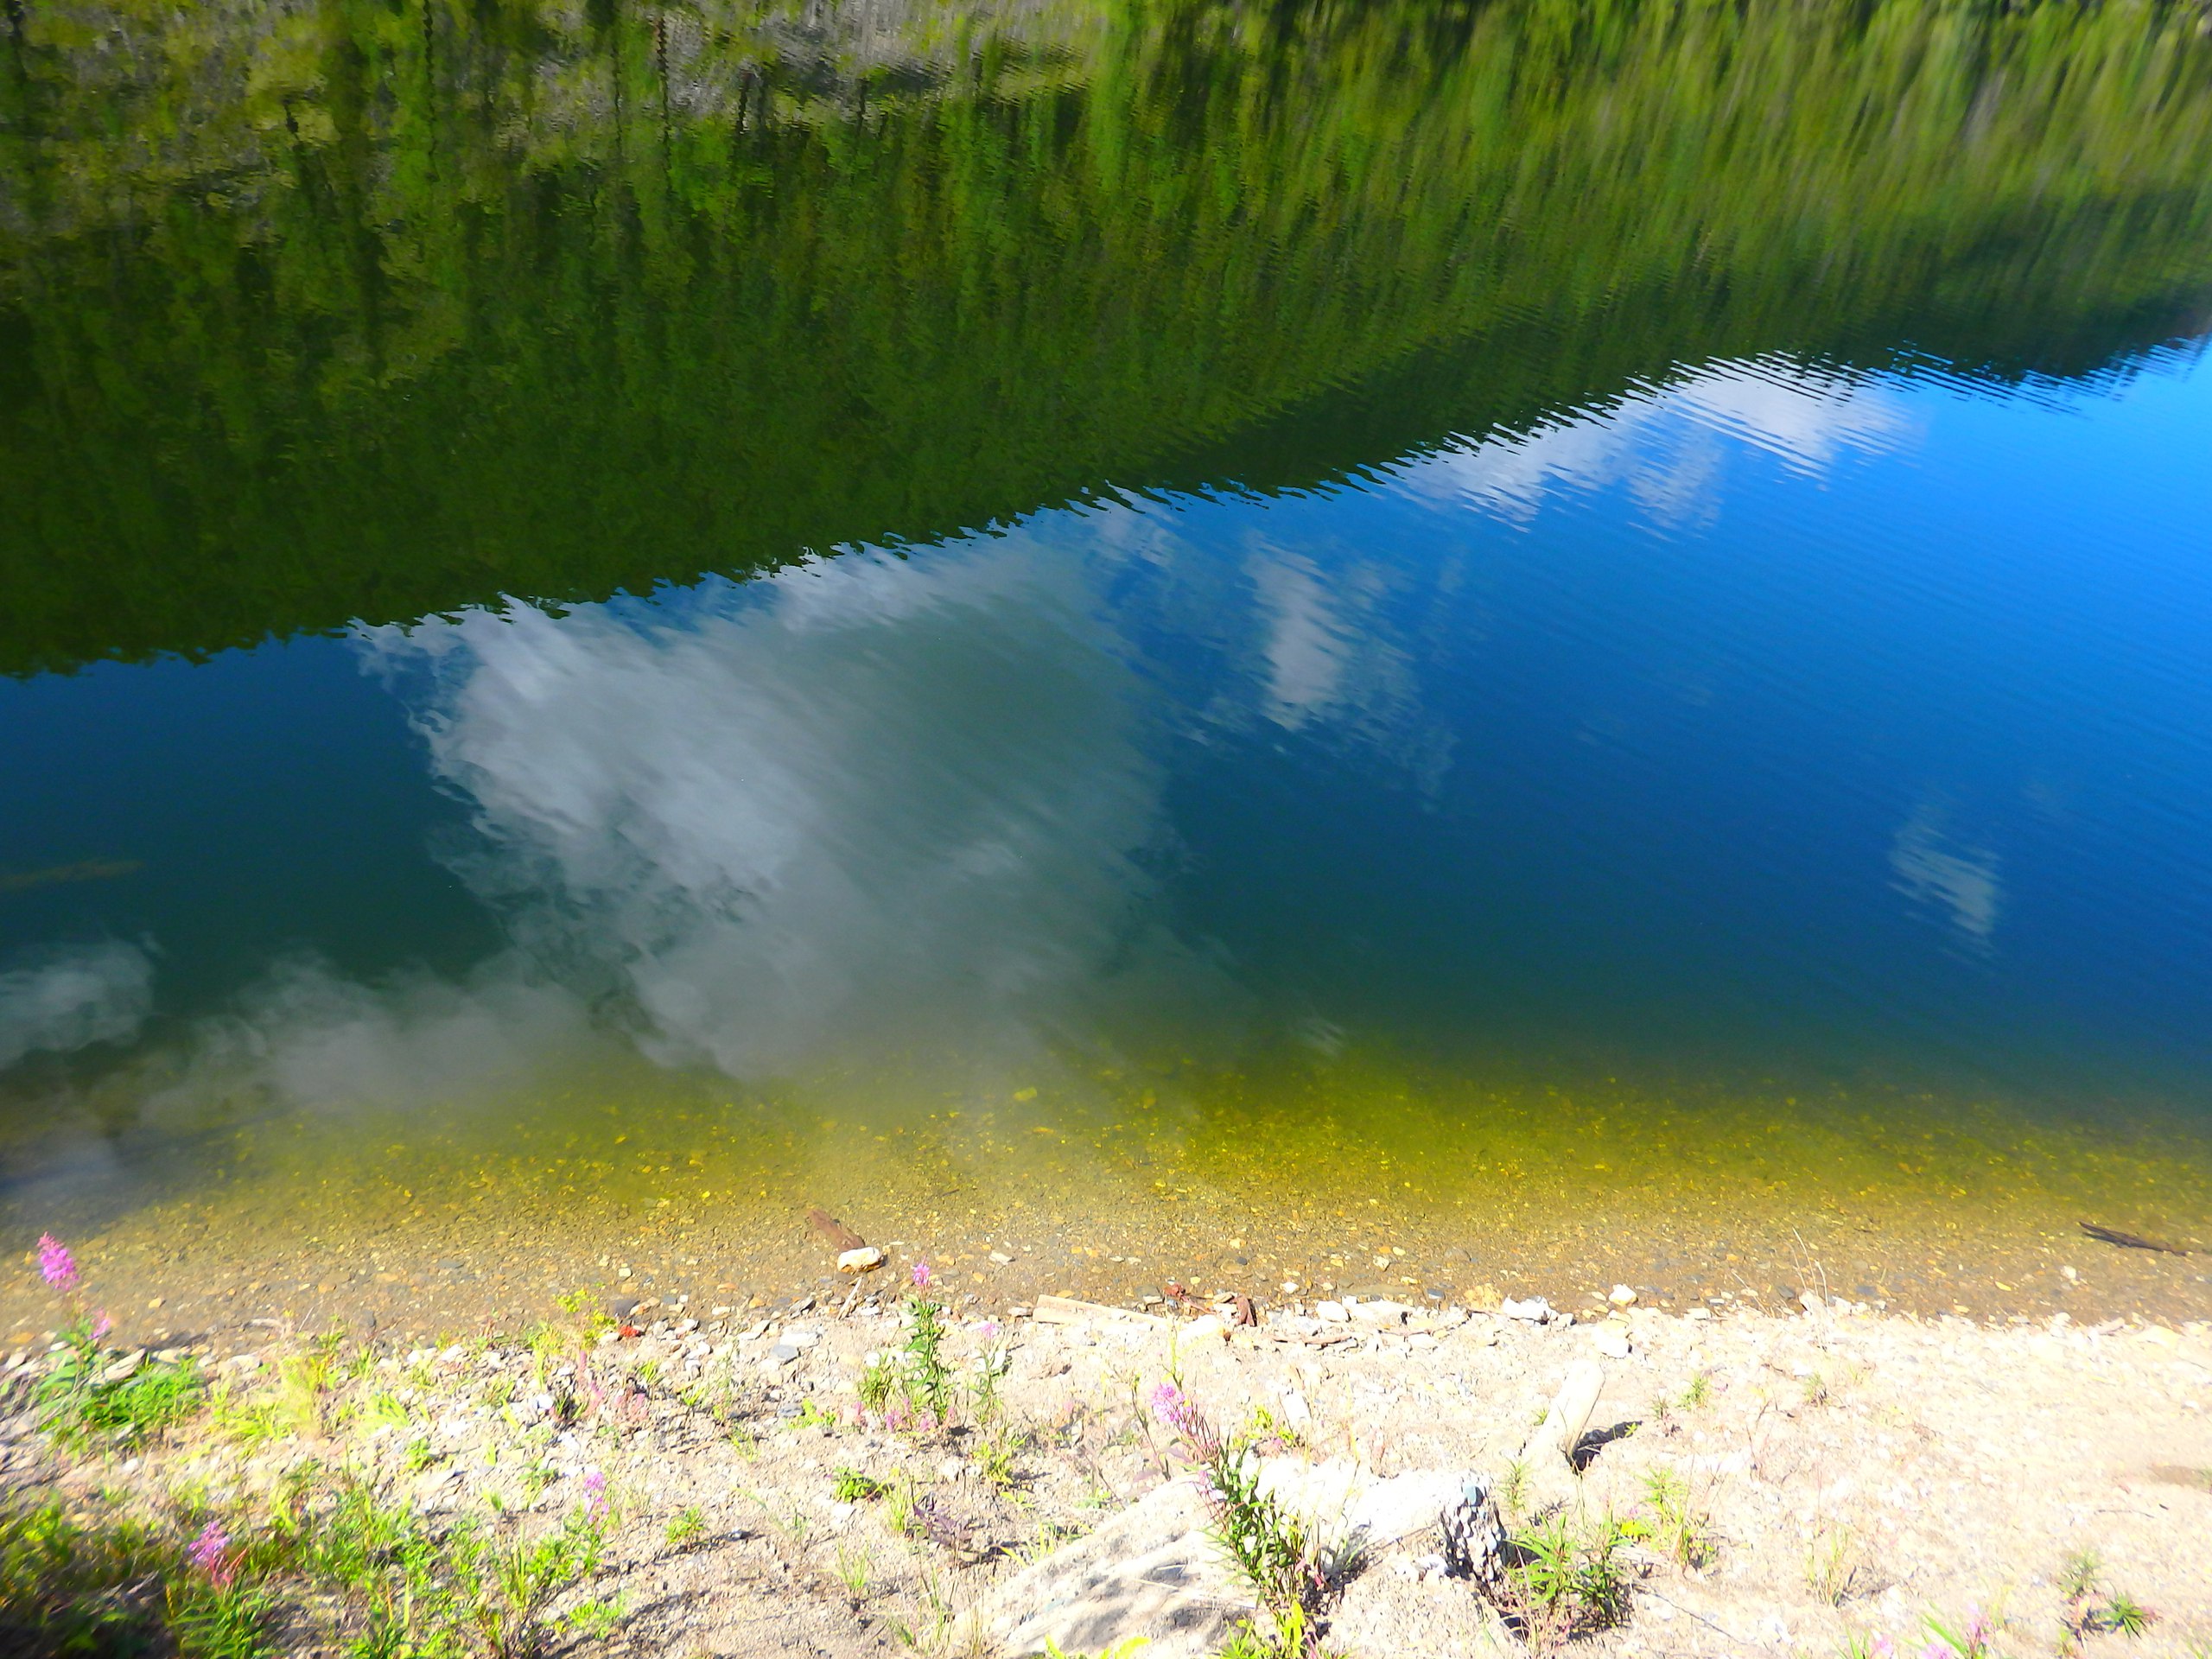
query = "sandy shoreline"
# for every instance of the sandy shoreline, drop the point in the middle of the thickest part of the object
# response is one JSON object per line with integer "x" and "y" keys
{"x": 1853, "y": 1473}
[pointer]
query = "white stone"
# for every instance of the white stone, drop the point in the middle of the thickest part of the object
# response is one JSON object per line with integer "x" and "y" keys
{"x": 1613, "y": 1342}
{"x": 864, "y": 1260}
{"x": 1334, "y": 1312}
{"x": 1622, "y": 1296}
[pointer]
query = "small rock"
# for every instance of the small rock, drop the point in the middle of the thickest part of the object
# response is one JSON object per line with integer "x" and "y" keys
{"x": 864, "y": 1260}
{"x": 1697, "y": 1313}
{"x": 1809, "y": 1302}
{"x": 781, "y": 1354}
{"x": 1622, "y": 1296}
{"x": 1207, "y": 1326}
{"x": 1002, "y": 1258}
{"x": 123, "y": 1368}
{"x": 1613, "y": 1342}
{"x": 1535, "y": 1310}
{"x": 1334, "y": 1312}
{"x": 952, "y": 1469}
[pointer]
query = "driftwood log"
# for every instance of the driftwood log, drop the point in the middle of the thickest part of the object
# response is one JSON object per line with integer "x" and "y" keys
{"x": 835, "y": 1230}
{"x": 2129, "y": 1241}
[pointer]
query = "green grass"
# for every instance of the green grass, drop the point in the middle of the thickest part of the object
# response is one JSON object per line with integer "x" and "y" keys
{"x": 74, "y": 1403}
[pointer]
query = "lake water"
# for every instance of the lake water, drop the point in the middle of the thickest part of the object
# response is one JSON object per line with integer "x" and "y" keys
{"x": 1369, "y": 644}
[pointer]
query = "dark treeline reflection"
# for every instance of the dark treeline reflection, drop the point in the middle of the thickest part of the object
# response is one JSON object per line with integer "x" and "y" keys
{"x": 369, "y": 308}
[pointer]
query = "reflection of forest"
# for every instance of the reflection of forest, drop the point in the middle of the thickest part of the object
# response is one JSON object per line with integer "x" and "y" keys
{"x": 375, "y": 308}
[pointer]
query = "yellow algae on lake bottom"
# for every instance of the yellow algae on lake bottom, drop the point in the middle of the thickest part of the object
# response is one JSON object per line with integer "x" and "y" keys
{"x": 1346, "y": 1172}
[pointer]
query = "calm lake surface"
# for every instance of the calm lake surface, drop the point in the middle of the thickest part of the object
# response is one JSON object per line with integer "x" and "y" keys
{"x": 1524, "y": 640}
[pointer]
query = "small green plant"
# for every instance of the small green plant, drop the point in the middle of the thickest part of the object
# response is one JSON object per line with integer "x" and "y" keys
{"x": 595, "y": 1620}
{"x": 811, "y": 1415}
{"x": 928, "y": 1379}
{"x": 853, "y": 1569}
{"x": 2078, "y": 1575}
{"x": 244, "y": 1420}
{"x": 994, "y": 1456}
{"x": 1833, "y": 1565}
{"x": 1513, "y": 1489}
{"x": 1699, "y": 1394}
{"x": 2124, "y": 1615}
{"x": 2079, "y": 1578}
{"x": 878, "y": 1382}
{"x": 1266, "y": 1545}
{"x": 1967, "y": 1641}
{"x": 418, "y": 1456}
{"x": 303, "y": 1382}
{"x": 852, "y": 1487}
{"x": 1262, "y": 1426}
{"x": 1562, "y": 1580}
{"x": 1286, "y": 1635}
{"x": 1678, "y": 1528}
{"x": 686, "y": 1528}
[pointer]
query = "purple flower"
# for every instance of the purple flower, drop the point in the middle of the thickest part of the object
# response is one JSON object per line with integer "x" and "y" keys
{"x": 1175, "y": 1409}
{"x": 56, "y": 1263}
{"x": 102, "y": 1324}
{"x": 595, "y": 1503}
{"x": 988, "y": 1329}
{"x": 921, "y": 1275}
{"x": 209, "y": 1554}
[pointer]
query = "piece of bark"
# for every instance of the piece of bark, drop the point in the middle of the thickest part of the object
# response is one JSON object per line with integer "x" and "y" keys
{"x": 835, "y": 1230}
{"x": 2129, "y": 1241}
{"x": 1066, "y": 1310}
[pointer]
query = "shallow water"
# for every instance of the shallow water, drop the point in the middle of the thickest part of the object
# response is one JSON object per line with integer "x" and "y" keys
{"x": 1343, "y": 647}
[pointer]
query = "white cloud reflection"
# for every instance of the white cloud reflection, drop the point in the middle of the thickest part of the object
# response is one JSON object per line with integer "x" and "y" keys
{"x": 845, "y": 812}
{"x": 74, "y": 996}
{"x": 1666, "y": 446}
{"x": 1930, "y": 868}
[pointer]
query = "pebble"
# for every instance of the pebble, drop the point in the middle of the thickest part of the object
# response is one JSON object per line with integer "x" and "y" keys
{"x": 1535, "y": 1310}
{"x": 1613, "y": 1342}
{"x": 1622, "y": 1296}
{"x": 864, "y": 1260}
{"x": 1334, "y": 1312}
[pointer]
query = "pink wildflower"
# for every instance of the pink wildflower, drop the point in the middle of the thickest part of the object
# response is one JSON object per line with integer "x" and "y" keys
{"x": 102, "y": 1324}
{"x": 55, "y": 1262}
{"x": 595, "y": 1503}
{"x": 209, "y": 1554}
{"x": 921, "y": 1275}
